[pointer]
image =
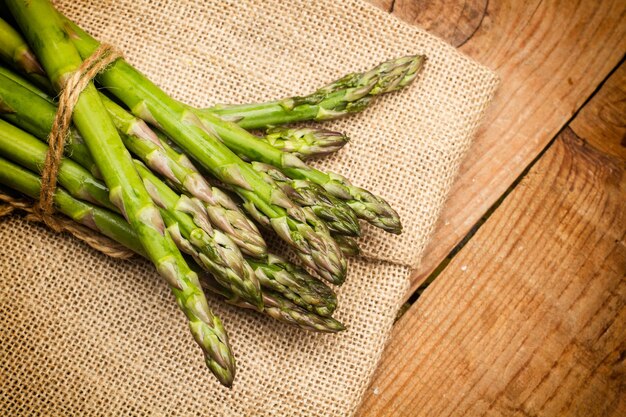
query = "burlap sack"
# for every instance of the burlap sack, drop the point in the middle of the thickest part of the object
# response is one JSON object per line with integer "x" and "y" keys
{"x": 85, "y": 335}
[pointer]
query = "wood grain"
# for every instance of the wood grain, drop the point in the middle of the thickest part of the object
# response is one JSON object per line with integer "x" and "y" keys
{"x": 529, "y": 319}
{"x": 452, "y": 20}
{"x": 602, "y": 121}
{"x": 551, "y": 55}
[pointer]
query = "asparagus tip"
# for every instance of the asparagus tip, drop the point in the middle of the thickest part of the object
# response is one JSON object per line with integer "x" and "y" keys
{"x": 226, "y": 376}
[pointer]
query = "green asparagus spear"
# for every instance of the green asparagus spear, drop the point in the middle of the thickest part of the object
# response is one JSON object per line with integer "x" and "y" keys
{"x": 349, "y": 94}
{"x": 299, "y": 227}
{"x": 44, "y": 31}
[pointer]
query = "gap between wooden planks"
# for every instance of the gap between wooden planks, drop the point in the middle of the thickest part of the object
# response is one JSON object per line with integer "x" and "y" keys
{"x": 550, "y": 55}
{"x": 530, "y": 317}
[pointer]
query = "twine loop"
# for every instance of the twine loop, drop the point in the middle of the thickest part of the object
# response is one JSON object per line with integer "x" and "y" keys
{"x": 70, "y": 93}
{"x": 43, "y": 210}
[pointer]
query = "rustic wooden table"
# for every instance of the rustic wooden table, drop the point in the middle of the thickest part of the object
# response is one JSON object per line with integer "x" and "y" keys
{"x": 526, "y": 315}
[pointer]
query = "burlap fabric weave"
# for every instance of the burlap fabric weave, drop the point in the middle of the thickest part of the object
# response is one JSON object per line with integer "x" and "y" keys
{"x": 86, "y": 335}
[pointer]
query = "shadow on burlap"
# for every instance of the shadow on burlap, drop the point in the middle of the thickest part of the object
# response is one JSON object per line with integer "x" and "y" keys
{"x": 83, "y": 334}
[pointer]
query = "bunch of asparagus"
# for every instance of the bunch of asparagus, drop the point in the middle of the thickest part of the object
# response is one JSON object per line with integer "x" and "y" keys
{"x": 129, "y": 173}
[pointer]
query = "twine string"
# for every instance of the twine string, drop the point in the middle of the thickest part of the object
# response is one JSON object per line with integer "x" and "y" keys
{"x": 97, "y": 241}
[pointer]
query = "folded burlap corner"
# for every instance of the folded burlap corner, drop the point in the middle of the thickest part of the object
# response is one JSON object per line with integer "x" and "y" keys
{"x": 83, "y": 334}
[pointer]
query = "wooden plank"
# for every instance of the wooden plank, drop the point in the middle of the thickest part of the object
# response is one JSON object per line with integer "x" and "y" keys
{"x": 551, "y": 55}
{"x": 530, "y": 317}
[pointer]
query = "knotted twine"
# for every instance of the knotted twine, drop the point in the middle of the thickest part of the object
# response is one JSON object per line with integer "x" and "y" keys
{"x": 43, "y": 210}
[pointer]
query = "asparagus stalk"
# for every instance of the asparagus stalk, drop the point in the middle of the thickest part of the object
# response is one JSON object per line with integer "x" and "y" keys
{"x": 21, "y": 106}
{"x": 116, "y": 228}
{"x": 305, "y": 142}
{"x": 266, "y": 202}
{"x": 349, "y": 94}
{"x": 43, "y": 29}
{"x": 152, "y": 148}
{"x": 337, "y": 215}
